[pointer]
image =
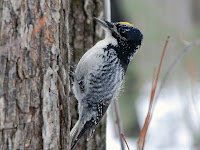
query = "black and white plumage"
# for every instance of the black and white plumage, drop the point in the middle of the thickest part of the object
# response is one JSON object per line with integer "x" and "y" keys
{"x": 100, "y": 72}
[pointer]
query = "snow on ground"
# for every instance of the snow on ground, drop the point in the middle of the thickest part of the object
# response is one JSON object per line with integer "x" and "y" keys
{"x": 173, "y": 125}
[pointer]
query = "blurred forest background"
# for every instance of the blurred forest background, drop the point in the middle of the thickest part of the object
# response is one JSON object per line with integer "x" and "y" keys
{"x": 176, "y": 120}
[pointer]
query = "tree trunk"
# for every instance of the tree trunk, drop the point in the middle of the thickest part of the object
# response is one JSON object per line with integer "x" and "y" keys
{"x": 35, "y": 90}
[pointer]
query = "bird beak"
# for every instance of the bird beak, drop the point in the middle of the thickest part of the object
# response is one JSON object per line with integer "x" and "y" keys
{"x": 105, "y": 24}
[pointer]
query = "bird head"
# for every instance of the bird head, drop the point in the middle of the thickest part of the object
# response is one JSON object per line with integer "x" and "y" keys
{"x": 125, "y": 33}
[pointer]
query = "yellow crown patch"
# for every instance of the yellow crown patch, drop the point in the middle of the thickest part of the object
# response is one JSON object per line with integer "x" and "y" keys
{"x": 127, "y": 23}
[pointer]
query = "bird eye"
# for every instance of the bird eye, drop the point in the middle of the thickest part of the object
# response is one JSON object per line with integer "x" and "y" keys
{"x": 123, "y": 31}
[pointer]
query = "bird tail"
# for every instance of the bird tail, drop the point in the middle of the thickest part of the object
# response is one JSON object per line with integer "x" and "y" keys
{"x": 90, "y": 133}
{"x": 75, "y": 131}
{"x": 78, "y": 138}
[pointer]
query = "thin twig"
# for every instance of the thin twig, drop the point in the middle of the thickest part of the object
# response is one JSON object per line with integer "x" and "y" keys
{"x": 154, "y": 76}
{"x": 118, "y": 121}
{"x": 122, "y": 135}
{"x": 186, "y": 43}
{"x": 141, "y": 140}
{"x": 161, "y": 60}
{"x": 193, "y": 80}
{"x": 171, "y": 67}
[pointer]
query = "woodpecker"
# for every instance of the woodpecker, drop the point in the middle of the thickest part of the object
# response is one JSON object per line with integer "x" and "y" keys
{"x": 100, "y": 72}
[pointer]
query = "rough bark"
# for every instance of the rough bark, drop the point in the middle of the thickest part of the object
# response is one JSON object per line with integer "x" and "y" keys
{"x": 35, "y": 89}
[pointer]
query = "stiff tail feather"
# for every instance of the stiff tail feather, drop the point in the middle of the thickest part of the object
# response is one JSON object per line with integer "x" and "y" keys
{"x": 90, "y": 133}
{"x": 78, "y": 138}
{"x": 87, "y": 125}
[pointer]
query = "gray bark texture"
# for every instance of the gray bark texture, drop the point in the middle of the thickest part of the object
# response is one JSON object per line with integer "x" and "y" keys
{"x": 37, "y": 106}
